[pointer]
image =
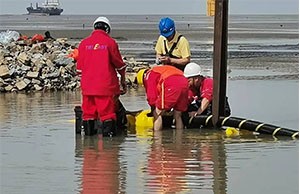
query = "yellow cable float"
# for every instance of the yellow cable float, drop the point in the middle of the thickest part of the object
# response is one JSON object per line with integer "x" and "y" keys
{"x": 232, "y": 132}
{"x": 142, "y": 120}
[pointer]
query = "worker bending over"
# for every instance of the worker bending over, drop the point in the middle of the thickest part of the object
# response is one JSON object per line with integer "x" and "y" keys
{"x": 166, "y": 89}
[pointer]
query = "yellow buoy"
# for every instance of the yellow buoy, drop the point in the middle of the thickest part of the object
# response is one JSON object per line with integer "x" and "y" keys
{"x": 231, "y": 131}
{"x": 142, "y": 120}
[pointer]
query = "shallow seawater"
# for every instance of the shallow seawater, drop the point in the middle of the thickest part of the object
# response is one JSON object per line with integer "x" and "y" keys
{"x": 40, "y": 152}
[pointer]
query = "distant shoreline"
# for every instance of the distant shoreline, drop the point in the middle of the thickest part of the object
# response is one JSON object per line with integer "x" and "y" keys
{"x": 152, "y": 34}
{"x": 144, "y": 27}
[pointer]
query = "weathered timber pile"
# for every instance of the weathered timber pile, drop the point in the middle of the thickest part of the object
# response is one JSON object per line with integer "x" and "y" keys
{"x": 45, "y": 66}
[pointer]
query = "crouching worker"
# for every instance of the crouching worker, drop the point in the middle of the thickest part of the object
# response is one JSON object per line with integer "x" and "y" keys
{"x": 98, "y": 62}
{"x": 201, "y": 92}
{"x": 166, "y": 89}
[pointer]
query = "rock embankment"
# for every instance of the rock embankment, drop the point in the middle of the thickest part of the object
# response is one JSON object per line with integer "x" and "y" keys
{"x": 44, "y": 66}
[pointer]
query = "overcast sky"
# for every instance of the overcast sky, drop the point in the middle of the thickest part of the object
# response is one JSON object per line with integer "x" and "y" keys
{"x": 155, "y": 6}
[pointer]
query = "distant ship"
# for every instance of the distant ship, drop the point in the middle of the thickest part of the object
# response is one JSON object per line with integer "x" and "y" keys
{"x": 48, "y": 8}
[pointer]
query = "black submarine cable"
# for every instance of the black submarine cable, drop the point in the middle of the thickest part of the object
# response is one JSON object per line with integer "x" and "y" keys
{"x": 241, "y": 123}
{"x": 206, "y": 120}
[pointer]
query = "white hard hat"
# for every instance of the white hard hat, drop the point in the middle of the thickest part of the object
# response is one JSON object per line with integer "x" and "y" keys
{"x": 191, "y": 70}
{"x": 102, "y": 19}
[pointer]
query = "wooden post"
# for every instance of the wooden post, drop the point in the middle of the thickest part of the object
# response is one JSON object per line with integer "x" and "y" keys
{"x": 220, "y": 59}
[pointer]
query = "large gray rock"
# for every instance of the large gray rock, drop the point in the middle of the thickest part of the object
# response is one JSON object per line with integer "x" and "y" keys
{"x": 8, "y": 88}
{"x": 4, "y": 71}
{"x": 21, "y": 85}
{"x": 23, "y": 58}
{"x": 31, "y": 74}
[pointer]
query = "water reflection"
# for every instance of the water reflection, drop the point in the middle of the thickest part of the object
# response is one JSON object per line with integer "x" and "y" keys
{"x": 166, "y": 165}
{"x": 100, "y": 164}
{"x": 171, "y": 161}
{"x": 180, "y": 166}
{"x": 39, "y": 107}
{"x": 40, "y": 152}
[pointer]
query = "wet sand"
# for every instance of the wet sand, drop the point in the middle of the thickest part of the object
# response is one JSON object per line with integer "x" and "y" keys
{"x": 254, "y": 42}
{"x": 132, "y": 44}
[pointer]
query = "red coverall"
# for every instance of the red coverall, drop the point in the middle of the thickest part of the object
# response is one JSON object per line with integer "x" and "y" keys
{"x": 205, "y": 90}
{"x": 99, "y": 58}
{"x": 166, "y": 88}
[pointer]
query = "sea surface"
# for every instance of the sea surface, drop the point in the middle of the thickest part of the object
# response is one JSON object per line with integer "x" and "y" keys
{"x": 40, "y": 152}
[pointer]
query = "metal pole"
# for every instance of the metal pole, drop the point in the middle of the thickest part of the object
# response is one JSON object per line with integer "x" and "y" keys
{"x": 220, "y": 59}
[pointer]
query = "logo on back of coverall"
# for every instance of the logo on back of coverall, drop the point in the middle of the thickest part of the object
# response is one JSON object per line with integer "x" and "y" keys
{"x": 100, "y": 47}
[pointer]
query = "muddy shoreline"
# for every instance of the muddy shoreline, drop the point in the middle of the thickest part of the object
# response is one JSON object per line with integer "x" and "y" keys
{"x": 132, "y": 45}
{"x": 255, "y": 42}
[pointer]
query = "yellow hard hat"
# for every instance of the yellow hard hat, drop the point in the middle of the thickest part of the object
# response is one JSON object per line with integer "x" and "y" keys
{"x": 143, "y": 120}
{"x": 140, "y": 76}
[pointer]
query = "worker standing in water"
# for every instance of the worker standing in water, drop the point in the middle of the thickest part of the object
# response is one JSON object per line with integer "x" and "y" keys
{"x": 172, "y": 48}
{"x": 98, "y": 62}
{"x": 166, "y": 89}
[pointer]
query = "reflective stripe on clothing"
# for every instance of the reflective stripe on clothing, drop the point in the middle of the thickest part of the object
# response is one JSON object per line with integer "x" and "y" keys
{"x": 174, "y": 94}
{"x": 165, "y": 72}
{"x": 166, "y": 88}
{"x": 155, "y": 77}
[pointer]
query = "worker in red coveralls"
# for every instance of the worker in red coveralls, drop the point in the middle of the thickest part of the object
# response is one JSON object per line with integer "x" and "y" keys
{"x": 99, "y": 60}
{"x": 166, "y": 89}
{"x": 201, "y": 92}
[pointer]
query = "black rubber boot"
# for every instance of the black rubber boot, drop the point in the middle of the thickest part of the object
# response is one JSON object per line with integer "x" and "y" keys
{"x": 78, "y": 119}
{"x": 121, "y": 117}
{"x": 89, "y": 127}
{"x": 108, "y": 128}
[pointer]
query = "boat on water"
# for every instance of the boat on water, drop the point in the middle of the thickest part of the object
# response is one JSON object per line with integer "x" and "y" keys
{"x": 50, "y": 7}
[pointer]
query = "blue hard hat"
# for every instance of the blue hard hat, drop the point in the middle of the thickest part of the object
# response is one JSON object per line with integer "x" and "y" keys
{"x": 166, "y": 27}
